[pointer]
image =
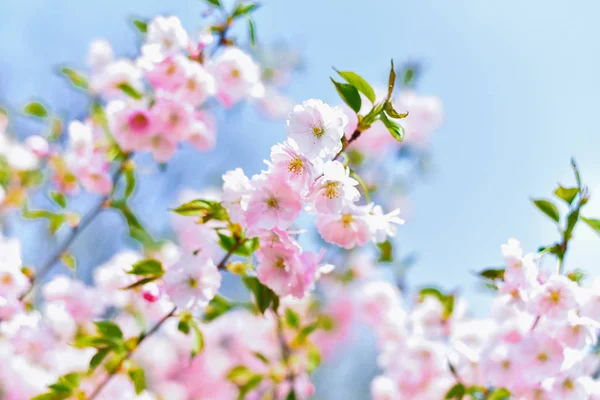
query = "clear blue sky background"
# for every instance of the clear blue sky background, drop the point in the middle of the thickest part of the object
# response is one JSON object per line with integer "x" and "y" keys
{"x": 519, "y": 81}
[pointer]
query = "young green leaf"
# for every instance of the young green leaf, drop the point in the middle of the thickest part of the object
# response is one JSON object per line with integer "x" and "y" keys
{"x": 263, "y": 296}
{"x": 359, "y": 83}
{"x": 216, "y": 3}
{"x": 76, "y": 78}
{"x": 252, "y": 31}
{"x": 349, "y": 94}
{"x": 397, "y": 131}
{"x": 198, "y": 344}
{"x": 98, "y": 358}
{"x": 59, "y": 198}
{"x": 138, "y": 378}
{"x": 244, "y": 9}
{"x": 593, "y": 223}
{"x": 109, "y": 329}
{"x": 292, "y": 319}
{"x": 566, "y": 194}
{"x": 141, "y": 26}
{"x": 130, "y": 91}
{"x": 150, "y": 267}
{"x": 391, "y": 82}
{"x": 492, "y": 273}
{"x": 386, "y": 252}
{"x": 389, "y": 109}
{"x": 548, "y": 208}
{"x": 35, "y": 109}
{"x": 457, "y": 392}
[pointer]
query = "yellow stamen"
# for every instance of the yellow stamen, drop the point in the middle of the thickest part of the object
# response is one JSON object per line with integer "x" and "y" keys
{"x": 272, "y": 202}
{"x": 330, "y": 190}
{"x": 318, "y": 131}
{"x": 347, "y": 219}
{"x": 295, "y": 166}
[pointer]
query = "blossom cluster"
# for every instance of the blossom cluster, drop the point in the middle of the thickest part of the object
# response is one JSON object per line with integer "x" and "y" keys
{"x": 303, "y": 173}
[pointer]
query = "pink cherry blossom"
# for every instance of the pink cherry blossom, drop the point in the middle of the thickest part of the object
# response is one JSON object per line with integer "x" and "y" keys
{"x": 272, "y": 203}
{"x": 236, "y": 75}
{"x": 317, "y": 128}
{"x": 236, "y": 193}
{"x": 192, "y": 282}
{"x": 296, "y": 169}
{"x": 334, "y": 188}
{"x": 555, "y": 298}
{"x": 347, "y": 229}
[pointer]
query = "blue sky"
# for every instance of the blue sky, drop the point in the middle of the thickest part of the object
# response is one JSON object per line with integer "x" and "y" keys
{"x": 519, "y": 81}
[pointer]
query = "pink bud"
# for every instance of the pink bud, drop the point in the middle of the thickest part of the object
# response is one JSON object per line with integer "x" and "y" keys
{"x": 151, "y": 292}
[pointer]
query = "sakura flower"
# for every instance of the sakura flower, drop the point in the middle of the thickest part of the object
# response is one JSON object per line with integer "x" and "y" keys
{"x": 569, "y": 387}
{"x": 272, "y": 203}
{"x": 384, "y": 388}
{"x": 12, "y": 281}
{"x": 347, "y": 229}
{"x": 317, "y": 128}
{"x": 577, "y": 332}
{"x": 168, "y": 74}
{"x": 37, "y": 145}
{"x": 383, "y": 225}
{"x": 202, "y": 132}
{"x": 501, "y": 366}
{"x": 555, "y": 298}
{"x": 198, "y": 85}
{"x": 116, "y": 73}
{"x": 542, "y": 355}
{"x": 173, "y": 118}
{"x": 192, "y": 282}
{"x": 167, "y": 35}
{"x": 237, "y": 76}
{"x": 236, "y": 193}
{"x": 100, "y": 54}
{"x": 280, "y": 269}
{"x": 591, "y": 303}
{"x": 334, "y": 189}
{"x": 82, "y": 302}
{"x": 296, "y": 169}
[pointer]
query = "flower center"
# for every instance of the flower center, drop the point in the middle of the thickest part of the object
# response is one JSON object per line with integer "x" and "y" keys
{"x": 138, "y": 121}
{"x": 173, "y": 118}
{"x": 505, "y": 365}
{"x": 279, "y": 263}
{"x": 555, "y": 297}
{"x": 272, "y": 202}
{"x": 191, "y": 84}
{"x": 295, "y": 166}
{"x": 542, "y": 357}
{"x": 330, "y": 190}
{"x": 318, "y": 131}
{"x": 347, "y": 219}
{"x": 192, "y": 282}
{"x": 171, "y": 69}
{"x": 235, "y": 73}
{"x": 7, "y": 279}
{"x": 568, "y": 384}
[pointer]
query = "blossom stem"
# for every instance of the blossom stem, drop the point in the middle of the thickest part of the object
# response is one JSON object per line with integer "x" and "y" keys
{"x": 85, "y": 221}
{"x": 236, "y": 246}
{"x": 130, "y": 353}
{"x": 286, "y": 352}
{"x": 347, "y": 142}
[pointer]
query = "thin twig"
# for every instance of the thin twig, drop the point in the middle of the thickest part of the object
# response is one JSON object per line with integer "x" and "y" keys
{"x": 59, "y": 251}
{"x": 347, "y": 143}
{"x": 130, "y": 353}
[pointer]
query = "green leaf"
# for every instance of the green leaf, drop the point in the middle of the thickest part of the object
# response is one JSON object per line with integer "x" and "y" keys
{"x": 141, "y": 26}
{"x": 313, "y": 358}
{"x": 98, "y": 358}
{"x": 292, "y": 318}
{"x": 136, "y": 230}
{"x": 138, "y": 378}
{"x": 391, "y": 82}
{"x": 69, "y": 260}
{"x": 291, "y": 395}
{"x": 566, "y": 194}
{"x": 249, "y": 386}
{"x": 247, "y": 248}
{"x": 409, "y": 75}
{"x": 206, "y": 209}
{"x": 386, "y": 252}
{"x": 252, "y": 31}
{"x": 263, "y": 296}
{"x": 396, "y": 130}
{"x": 35, "y": 109}
{"x": 359, "y": 83}
{"x": 184, "y": 326}
{"x": 593, "y": 223}
{"x": 349, "y": 94}
{"x": 76, "y": 78}
{"x": 244, "y": 9}
{"x": 198, "y": 344}
{"x": 240, "y": 374}
{"x": 217, "y": 307}
{"x": 548, "y": 208}
{"x": 389, "y": 109}
{"x": 576, "y": 275}
{"x": 130, "y": 91}
{"x": 129, "y": 182}
{"x": 457, "y": 391}
{"x": 72, "y": 380}
{"x": 499, "y": 394}
{"x": 109, "y": 329}
{"x": 150, "y": 267}
{"x": 59, "y": 198}
{"x": 576, "y": 172}
{"x": 216, "y": 3}
{"x": 446, "y": 300}
{"x": 55, "y": 222}
{"x": 493, "y": 273}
